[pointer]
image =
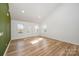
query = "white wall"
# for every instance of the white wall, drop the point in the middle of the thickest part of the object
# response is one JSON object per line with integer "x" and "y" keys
{"x": 63, "y": 24}
{"x": 27, "y": 27}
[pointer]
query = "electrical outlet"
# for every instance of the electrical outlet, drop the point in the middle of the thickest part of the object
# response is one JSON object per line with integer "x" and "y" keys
{"x": 1, "y": 33}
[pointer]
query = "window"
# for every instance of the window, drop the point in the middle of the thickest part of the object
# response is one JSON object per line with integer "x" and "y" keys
{"x": 45, "y": 28}
{"x": 20, "y": 28}
{"x": 36, "y": 28}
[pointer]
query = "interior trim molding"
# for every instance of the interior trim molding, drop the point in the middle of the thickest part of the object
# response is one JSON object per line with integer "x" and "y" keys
{"x": 26, "y": 37}
{"x": 7, "y": 48}
{"x": 60, "y": 40}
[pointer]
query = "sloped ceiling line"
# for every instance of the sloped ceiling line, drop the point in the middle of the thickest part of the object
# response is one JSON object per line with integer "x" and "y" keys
{"x": 34, "y": 12}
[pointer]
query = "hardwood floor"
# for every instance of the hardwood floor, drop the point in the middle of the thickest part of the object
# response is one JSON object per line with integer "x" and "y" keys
{"x": 41, "y": 46}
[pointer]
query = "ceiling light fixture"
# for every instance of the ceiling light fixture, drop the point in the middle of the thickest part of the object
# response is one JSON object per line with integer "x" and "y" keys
{"x": 22, "y": 11}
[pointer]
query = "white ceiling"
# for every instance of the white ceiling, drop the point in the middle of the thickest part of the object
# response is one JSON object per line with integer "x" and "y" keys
{"x": 34, "y": 12}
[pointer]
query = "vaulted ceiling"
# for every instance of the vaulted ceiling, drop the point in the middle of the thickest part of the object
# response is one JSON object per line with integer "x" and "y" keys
{"x": 34, "y": 12}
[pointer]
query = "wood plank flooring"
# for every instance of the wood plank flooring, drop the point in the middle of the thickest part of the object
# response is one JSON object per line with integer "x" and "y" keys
{"x": 41, "y": 46}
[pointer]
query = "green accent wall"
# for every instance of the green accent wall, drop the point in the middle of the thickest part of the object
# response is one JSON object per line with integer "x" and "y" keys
{"x": 5, "y": 27}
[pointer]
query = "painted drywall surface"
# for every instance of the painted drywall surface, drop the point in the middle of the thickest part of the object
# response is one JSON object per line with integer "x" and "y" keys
{"x": 33, "y": 12}
{"x": 4, "y": 27}
{"x": 29, "y": 29}
{"x": 63, "y": 24}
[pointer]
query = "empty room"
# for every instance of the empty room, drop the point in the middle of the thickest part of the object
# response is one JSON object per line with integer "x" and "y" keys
{"x": 39, "y": 29}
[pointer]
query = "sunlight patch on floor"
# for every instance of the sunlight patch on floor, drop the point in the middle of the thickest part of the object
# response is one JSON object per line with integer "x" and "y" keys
{"x": 36, "y": 41}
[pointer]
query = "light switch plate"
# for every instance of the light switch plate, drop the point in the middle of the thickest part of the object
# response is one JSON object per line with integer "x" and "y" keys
{"x": 7, "y": 14}
{"x": 1, "y": 33}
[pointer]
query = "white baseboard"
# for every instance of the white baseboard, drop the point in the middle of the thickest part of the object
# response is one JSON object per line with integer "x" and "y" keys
{"x": 23, "y": 37}
{"x": 7, "y": 48}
